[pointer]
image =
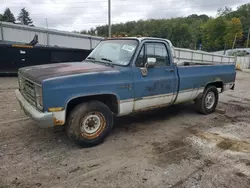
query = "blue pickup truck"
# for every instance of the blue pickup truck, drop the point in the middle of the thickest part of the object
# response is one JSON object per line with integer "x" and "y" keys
{"x": 119, "y": 77}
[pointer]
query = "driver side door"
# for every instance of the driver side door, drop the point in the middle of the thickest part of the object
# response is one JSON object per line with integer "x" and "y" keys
{"x": 157, "y": 85}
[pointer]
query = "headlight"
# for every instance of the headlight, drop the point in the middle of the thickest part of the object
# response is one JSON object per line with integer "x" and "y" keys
{"x": 39, "y": 97}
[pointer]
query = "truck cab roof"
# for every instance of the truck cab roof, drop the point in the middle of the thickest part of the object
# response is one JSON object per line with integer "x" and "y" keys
{"x": 140, "y": 39}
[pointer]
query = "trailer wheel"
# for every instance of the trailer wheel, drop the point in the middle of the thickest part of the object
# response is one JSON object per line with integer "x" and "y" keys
{"x": 88, "y": 124}
{"x": 208, "y": 102}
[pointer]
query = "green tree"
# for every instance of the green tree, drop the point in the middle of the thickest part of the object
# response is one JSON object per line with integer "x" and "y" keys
{"x": 1, "y": 17}
{"x": 8, "y": 16}
{"x": 234, "y": 28}
{"x": 243, "y": 13}
{"x": 213, "y": 34}
{"x": 24, "y": 17}
{"x": 190, "y": 31}
{"x": 181, "y": 36}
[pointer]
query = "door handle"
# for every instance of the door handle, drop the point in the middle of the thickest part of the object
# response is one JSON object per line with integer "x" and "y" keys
{"x": 169, "y": 70}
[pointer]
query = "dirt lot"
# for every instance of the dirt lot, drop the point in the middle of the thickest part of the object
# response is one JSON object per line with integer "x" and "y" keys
{"x": 170, "y": 147}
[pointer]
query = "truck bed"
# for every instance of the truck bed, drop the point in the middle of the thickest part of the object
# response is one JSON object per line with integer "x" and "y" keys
{"x": 192, "y": 79}
{"x": 182, "y": 56}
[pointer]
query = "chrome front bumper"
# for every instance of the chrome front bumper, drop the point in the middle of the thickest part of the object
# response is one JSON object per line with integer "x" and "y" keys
{"x": 44, "y": 119}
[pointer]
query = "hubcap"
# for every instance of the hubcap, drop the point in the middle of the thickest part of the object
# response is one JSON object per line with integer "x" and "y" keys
{"x": 92, "y": 124}
{"x": 210, "y": 100}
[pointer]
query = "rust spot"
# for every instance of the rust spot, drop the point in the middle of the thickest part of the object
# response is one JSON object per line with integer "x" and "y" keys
{"x": 58, "y": 122}
{"x": 99, "y": 131}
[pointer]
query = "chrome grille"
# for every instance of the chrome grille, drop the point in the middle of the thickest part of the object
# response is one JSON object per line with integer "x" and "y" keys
{"x": 27, "y": 89}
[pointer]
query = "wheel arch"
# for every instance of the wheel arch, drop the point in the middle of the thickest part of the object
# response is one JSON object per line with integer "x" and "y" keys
{"x": 217, "y": 84}
{"x": 111, "y": 100}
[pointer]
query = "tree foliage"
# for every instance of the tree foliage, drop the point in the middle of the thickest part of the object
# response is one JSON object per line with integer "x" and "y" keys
{"x": 7, "y": 16}
{"x": 24, "y": 17}
{"x": 233, "y": 29}
{"x": 191, "y": 31}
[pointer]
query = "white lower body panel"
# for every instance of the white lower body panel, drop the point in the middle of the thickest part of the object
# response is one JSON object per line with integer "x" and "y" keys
{"x": 131, "y": 105}
{"x": 188, "y": 95}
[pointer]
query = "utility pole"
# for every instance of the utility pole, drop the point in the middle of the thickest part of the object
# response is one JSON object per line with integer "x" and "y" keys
{"x": 248, "y": 37}
{"x": 47, "y": 32}
{"x": 109, "y": 17}
{"x": 47, "y": 23}
{"x": 234, "y": 41}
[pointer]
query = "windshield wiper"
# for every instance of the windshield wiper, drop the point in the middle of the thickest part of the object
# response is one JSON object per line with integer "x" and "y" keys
{"x": 91, "y": 58}
{"x": 105, "y": 59}
{"x": 108, "y": 61}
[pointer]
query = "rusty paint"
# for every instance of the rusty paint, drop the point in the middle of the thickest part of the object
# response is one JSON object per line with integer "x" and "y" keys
{"x": 58, "y": 122}
{"x": 42, "y": 72}
{"x": 99, "y": 131}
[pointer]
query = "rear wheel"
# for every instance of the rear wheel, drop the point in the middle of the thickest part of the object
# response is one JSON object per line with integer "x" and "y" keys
{"x": 209, "y": 100}
{"x": 89, "y": 123}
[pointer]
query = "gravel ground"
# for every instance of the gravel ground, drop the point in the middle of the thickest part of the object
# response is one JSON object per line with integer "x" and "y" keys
{"x": 168, "y": 147}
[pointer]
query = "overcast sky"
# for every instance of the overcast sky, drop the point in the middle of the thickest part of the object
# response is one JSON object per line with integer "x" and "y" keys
{"x": 77, "y": 15}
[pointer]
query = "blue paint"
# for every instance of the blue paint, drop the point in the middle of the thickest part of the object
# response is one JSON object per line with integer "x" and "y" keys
{"x": 199, "y": 76}
{"x": 159, "y": 80}
{"x": 58, "y": 91}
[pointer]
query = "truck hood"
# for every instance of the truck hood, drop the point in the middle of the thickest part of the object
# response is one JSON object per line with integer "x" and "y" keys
{"x": 43, "y": 72}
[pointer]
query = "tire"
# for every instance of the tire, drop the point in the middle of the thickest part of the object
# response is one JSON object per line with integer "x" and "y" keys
{"x": 88, "y": 124}
{"x": 205, "y": 105}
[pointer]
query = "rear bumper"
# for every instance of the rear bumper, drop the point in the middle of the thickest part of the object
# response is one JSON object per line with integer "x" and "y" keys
{"x": 44, "y": 119}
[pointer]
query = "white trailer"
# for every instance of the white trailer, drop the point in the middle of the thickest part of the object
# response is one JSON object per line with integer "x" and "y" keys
{"x": 15, "y": 33}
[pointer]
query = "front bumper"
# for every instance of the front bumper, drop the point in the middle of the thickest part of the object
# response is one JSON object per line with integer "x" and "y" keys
{"x": 44, "y": 119}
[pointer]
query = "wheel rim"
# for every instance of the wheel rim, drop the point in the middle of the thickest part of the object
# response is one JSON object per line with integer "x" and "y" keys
{"x": 210, "y": 100}
{"x": 92, "y": 125}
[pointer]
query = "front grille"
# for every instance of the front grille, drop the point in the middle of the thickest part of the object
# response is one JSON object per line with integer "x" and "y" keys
{"x": 27, "y": 88}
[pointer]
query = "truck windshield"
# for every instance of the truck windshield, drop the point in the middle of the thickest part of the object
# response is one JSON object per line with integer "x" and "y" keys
{"x": 118, "y": 52}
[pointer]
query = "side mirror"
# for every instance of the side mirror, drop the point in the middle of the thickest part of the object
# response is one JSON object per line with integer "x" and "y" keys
{"x": 151, "y": 61}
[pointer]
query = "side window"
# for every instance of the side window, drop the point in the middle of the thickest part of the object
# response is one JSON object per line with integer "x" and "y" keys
{"x": 158, "y": 51}
{"x": 141, "y": 58}
{"x": 150, "y": 50}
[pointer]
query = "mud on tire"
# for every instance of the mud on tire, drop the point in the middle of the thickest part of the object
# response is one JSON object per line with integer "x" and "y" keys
{"x": 88, "y": 124}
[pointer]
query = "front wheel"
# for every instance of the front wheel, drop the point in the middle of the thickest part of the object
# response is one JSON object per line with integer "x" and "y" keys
{"x": 89, "y": 123}
{"x": 208, "y": 102}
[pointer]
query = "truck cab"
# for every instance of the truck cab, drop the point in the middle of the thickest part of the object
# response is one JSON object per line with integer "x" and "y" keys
{"x": 119, "y": 77}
